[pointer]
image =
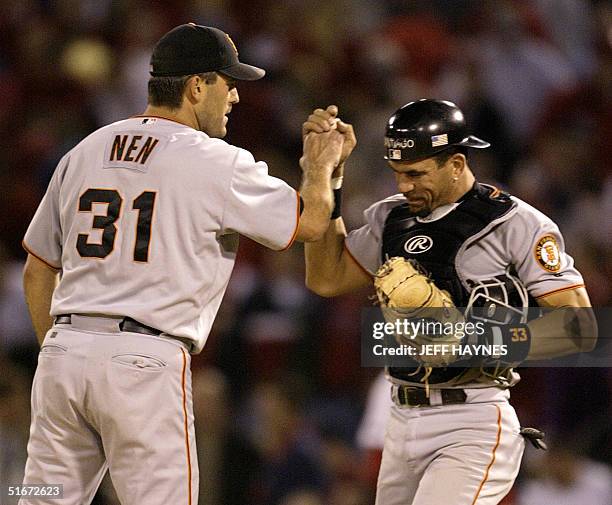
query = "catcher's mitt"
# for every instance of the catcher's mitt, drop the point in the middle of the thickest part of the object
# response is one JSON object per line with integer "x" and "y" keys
{"x": 406, "y": 293}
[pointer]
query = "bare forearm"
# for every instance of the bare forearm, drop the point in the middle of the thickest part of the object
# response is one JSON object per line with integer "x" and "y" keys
{"x": 39, "y": 282}
{"x": 318, "y": 201}
{"x": 323, "y": 257}
{"x": 569, "y": 329}
{"x": 564, "y": 331}
{"x": 321, "y": 157}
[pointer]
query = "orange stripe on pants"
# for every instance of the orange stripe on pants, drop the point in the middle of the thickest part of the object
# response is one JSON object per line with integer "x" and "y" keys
{"x": 486, "y": 475}
{"x": 186, "y": 425}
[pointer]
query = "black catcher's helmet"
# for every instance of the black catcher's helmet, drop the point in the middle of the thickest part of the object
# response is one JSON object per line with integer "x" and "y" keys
{"x": 426, "y": 127}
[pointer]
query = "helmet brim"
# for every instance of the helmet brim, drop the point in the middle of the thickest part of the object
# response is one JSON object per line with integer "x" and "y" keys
{"x": 472, "y": 141}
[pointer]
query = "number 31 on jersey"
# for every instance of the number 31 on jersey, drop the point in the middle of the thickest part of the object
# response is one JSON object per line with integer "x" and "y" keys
{"x": 144, "y": 204}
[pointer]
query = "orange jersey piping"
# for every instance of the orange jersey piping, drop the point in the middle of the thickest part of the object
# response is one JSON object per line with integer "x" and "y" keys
{"x": 297, "y": 223}
{"x": 355, "y": 260}
{"x": 28, "y": 250}
{"x": 559, "y": 290}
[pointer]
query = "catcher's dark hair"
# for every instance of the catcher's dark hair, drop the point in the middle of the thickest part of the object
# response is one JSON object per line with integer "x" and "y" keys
{"x": 168, "y": 91}
{"x": 445, "y": 155}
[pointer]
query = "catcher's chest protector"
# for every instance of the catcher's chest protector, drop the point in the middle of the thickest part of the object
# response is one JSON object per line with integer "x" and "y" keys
{"x": 435, "y": 244}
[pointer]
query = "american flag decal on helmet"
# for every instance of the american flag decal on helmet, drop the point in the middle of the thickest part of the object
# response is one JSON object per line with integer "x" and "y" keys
{"x": 439, "y": 140}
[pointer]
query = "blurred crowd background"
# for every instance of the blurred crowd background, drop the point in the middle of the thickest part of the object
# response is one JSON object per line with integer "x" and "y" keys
{"x": 279, "y": 392}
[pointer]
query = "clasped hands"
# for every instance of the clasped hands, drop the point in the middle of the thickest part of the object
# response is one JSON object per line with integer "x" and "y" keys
{"x": 328, "y": 141}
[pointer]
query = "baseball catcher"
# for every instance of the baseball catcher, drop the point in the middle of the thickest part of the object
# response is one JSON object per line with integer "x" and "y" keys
{"x": 450, "y": 414}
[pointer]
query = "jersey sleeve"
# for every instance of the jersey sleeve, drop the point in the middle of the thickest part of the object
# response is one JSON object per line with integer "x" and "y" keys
{"x": 259, "y": 206}
{"x": 364, "y": 244}
{"x": 539, "y": 256}
{"x": 43, "y": 238}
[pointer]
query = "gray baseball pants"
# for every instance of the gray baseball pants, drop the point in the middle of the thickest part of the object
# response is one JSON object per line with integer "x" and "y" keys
{"x": 107, "y": 399}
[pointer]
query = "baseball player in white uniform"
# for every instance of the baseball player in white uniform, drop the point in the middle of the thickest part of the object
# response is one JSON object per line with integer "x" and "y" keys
{"x": 452, "y": 436}
{"x": 130, "y": 253}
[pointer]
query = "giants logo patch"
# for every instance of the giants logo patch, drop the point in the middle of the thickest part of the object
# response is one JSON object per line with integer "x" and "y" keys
{"x": 547, "y": 253}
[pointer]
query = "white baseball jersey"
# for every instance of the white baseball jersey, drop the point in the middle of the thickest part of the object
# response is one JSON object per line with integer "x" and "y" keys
{"x": 526, "y": 239}
{"x": 523, "y": 238}
{"x": 143, "y": 217}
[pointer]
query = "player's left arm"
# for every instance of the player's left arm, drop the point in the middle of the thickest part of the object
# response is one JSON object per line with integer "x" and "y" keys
{"x": 570, "y": 329}
{"x": 549, "y": 274}
{"x": 39, "y": 282}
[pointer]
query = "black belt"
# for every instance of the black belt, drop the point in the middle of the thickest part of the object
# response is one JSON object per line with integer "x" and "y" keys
{"x": 417, "y": 397}
{"x": 126, "y": 324}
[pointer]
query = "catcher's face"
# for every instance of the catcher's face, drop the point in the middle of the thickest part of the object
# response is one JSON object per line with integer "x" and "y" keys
{"x": 215, "y": 105}
{"x": 425, "y": 184}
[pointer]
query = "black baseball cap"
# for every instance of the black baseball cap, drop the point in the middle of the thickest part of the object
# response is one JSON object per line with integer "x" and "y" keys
{"x": 195, "y": 49}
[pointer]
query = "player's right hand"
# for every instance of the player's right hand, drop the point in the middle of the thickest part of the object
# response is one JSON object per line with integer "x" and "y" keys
{"x": 322, "y": 150}
{"x": 325, "y": 120}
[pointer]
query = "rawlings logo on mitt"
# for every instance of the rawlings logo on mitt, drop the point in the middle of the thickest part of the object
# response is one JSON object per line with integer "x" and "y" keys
{"x": 410, "y": 300}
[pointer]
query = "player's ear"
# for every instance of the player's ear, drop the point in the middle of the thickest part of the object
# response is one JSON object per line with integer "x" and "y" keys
{"x": 458, "y": 163}
{"x": 195, "y": 89}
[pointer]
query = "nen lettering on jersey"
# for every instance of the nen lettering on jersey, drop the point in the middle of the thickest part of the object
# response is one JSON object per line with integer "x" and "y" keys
{"x": 130, "y": 150}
